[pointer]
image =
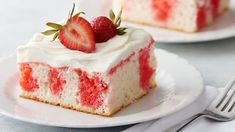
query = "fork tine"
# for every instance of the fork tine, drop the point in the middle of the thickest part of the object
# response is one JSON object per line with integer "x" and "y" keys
{"x": 225, "y": 92}
{"x": 228, "y": 98}
{"x": 230, "y": 105}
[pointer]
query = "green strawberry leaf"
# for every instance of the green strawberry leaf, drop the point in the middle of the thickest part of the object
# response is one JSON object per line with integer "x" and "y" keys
{"x": 121, "y": 31}
{"x": 54, "y": 25}
{"x": 71, "y": 13}
{"x": 49, "y": 32}
{"x": 55, "y": 36}
{"x": 79, "y": 13}
{"x": 112, "y": 15}
{"x": 118, "y": 17}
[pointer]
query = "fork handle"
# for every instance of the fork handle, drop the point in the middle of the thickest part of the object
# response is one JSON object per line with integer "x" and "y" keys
{"x": 179, "y": 127}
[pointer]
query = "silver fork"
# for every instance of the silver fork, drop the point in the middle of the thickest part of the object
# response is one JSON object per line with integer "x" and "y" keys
{"x": 222, "y": 107}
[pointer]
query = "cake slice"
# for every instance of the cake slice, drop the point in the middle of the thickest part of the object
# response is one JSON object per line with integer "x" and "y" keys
{"x": 183, "y": 15}
{"x": 72, "y": 73}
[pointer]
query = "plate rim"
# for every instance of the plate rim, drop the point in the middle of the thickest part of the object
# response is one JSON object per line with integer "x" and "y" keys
{"x": 198, "y": 41}
{"x": 34, "y": 121}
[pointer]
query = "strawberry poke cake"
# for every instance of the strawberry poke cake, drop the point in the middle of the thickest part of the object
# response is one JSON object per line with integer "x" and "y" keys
{"x": 95, "y": 67}
{"x": 183, "y": 15}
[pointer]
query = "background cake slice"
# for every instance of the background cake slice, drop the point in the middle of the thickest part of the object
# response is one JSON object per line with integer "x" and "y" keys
{"x": 183, "y": 15}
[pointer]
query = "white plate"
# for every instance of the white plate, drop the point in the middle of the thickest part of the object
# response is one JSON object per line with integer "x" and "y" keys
{"x": 179, "y": 85}
{"x": 224, "y": 27}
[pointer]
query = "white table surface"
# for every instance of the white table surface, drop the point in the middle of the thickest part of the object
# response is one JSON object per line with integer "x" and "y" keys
{"x": 20, "y": 19}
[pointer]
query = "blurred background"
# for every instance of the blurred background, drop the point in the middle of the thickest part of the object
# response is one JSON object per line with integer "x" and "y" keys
{"x": 20, "y": 19}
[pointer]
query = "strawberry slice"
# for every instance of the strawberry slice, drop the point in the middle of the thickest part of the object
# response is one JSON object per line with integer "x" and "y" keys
{"x": 77, "y": 34}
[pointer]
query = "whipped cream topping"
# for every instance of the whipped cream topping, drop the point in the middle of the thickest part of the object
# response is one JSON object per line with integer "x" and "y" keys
{"x": 107, "y": 54}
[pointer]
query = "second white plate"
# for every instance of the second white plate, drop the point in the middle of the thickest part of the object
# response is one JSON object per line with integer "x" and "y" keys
{"x": 224, "y": 27}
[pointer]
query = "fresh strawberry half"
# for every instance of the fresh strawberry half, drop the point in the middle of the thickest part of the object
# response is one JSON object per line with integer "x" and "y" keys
{"x": 105, "y": 28}
{"x": 76, "y": 34}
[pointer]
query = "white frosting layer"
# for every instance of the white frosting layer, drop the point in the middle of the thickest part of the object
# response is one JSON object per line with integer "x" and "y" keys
{"x": 107, "y": 55}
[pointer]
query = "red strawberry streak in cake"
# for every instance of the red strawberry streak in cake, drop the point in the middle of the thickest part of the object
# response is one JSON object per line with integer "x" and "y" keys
{"x": 123, "y": 62}
{"x": 91, "y": 89}
{"x": 215, "y": 7}
{"x": 56, "y": 81}
{"x": 27, "y": 82}
{"x": 201, "y": 17}
{"x": 145, "y": 70}
{"x": 162, "y": 9}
